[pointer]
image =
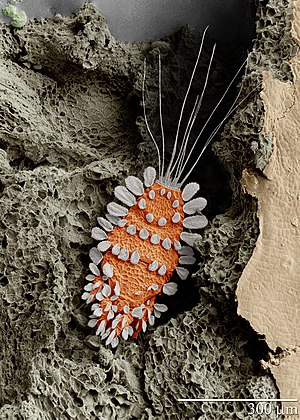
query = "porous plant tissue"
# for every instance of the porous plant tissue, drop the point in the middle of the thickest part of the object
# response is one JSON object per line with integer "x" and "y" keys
{"x": 70, "y": 132}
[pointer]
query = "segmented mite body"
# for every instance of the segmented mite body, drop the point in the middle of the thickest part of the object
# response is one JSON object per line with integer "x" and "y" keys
{"x": 141, "y": 245}
{"x": 139, "y": 250}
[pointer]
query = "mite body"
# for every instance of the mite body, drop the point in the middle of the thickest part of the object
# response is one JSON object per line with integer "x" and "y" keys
{"x": 148, "y": 233}
{"x": 139, "y": 248}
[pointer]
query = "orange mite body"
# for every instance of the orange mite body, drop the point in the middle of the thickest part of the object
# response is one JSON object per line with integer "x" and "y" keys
{"x": 139, "y": 250}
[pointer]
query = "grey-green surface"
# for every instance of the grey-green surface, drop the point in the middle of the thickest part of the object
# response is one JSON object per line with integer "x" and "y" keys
{"x": 69, "y": 98}
{"x": 139, "y": 20}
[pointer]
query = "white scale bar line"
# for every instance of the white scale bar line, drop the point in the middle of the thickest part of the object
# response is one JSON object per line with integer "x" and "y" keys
{"x": 238, "y": 399}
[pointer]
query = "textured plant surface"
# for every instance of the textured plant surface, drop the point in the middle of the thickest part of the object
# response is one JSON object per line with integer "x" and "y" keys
{"x": 70, "y": 132}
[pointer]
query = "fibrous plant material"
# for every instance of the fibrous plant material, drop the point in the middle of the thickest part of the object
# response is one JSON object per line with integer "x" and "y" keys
{"x": 268, "y": 291}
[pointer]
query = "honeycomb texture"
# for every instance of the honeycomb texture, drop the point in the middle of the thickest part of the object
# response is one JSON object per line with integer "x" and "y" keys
{"x": 70, "y": 132}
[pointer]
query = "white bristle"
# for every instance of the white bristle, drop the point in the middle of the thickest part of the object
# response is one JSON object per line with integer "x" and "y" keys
{"x": 116, "y": 209}
{"x": 124, "y": 254}
{"x": 144, "y": 234}
{"x": 157, "y": 313}
{"x": 134, "y": 185}
{"x": 149, "y": 217}
{"x": 94, "y": 306}
{"x": 175, "y": 204}
{"x": 97, "y": 285}
{"x": 94, "y": 269}
{"x": 116, "y": 321}
{"x": 125, "y": 333}
{"x": 162, "y": 221}
{"x": 124, "y": 195}
{"x": 170, "y": 288}
{"x": 189, "y": 191}
{"x": 151, "y": 194}
{"x": 106, "y": 334}
{"x": 186, "y": 250}
{"x": 190, "y": 238}
{"x": 153, "y": 266}
{"x": 153, "y": 286}
{"x": 142, "y": 203}
{"x": 137, "y": 312}
{"x": 85, "y": 296}
{"x": 101, "y": 327}
{"x": 162, "y": 271}
{"x": 114, "y": 342}
{"x": 98, "y": 234}
{"x": 105, "y": 224}
{"x": 135, "y": 257}
{"x": 131, "y": 229}
{"x": 114, "y": 220}
{"x": 160, "y": 307}
{"x": 108, "y": 270}
{"x": 110, "y": 337}
{"x": 177, "y": 245}
{"x": 198, "y": 204}
{"x": 144, "y": 325}
{"x": 126, "y": 309}
{"x": 98, "y": 312}
{"x": 95, "y": 255}
{"x": 124, "y": 321}
{"x": 99, "y": 296}
{"x": 149, "y": 176}
{"x": 92, "y": 322}
{"x": 106, "y": 290}
{"x": 130, "y": 330}
{"x": 117, "y": 288}
{"x": 116, "y": 249}
{"x": 155, "y": 239}
{"x": 182, "y": 272}
{"x": 176, "y": 218}
{"x": 187, "y": 260}
{"x": 104, "y": 246}
{"x": 166, "y": 243}
{"x": 88, "y": 287}
{"x": 195, "y": 222}
{"x": 110, "y": 315}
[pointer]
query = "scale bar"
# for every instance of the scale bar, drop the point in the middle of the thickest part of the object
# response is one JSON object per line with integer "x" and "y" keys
{"x": 238, "y": 400}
